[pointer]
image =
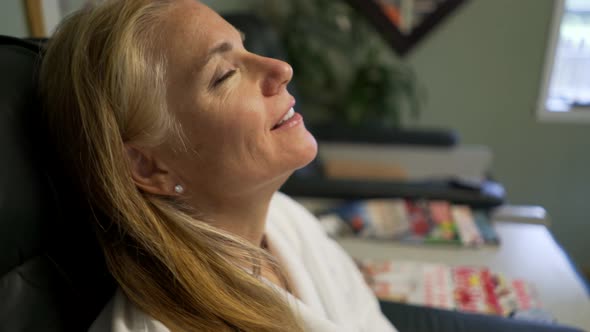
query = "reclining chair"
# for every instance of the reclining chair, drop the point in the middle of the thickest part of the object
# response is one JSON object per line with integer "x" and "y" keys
{"x": 52, "y": 273}
{"x": 53, "y": 276}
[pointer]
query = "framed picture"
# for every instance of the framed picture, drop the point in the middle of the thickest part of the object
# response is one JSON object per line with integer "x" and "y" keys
{"x": 403, "y": 23}
{"x": 42, "y": 16}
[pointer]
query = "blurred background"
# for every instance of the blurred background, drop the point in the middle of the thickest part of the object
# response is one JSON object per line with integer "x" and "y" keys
{"x": 480, "y": 72}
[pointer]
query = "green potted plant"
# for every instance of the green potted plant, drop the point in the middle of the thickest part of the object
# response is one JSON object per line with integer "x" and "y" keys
{"x": 344, "y": 73}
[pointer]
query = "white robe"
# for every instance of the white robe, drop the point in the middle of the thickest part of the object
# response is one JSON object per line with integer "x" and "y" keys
{"x": 333, "y": 296}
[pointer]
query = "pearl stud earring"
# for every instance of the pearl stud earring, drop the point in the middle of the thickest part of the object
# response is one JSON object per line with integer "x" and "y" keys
{"x": 178, "y": 189}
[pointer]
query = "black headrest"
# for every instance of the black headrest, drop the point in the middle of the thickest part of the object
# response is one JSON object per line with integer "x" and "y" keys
{"x": 52, "y": 273}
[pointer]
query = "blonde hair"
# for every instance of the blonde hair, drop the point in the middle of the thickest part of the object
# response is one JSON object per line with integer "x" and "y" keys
{"x": 103, "y": 83}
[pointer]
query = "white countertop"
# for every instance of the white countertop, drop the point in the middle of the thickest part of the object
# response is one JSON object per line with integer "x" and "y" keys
{"x": 527, "y": 251}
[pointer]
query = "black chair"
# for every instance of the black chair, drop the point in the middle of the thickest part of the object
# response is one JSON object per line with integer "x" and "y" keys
{"x": 52, "y": 273}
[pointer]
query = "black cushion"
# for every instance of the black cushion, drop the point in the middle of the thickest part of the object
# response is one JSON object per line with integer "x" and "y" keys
{"x": 52, "y": 273}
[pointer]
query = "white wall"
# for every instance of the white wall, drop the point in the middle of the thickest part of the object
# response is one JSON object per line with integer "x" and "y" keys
{"x": 13, "y": 21}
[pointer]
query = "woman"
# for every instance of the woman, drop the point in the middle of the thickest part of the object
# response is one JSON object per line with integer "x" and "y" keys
{"x": 182, "y": 138}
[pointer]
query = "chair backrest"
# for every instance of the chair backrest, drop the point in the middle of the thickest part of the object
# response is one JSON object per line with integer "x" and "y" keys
{"x": 52, "y": 272}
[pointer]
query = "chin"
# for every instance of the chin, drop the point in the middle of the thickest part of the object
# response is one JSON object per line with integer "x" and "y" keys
{"x": 308, "y": 152}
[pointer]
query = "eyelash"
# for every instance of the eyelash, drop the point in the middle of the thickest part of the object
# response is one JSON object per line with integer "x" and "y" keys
{"x": 224, "y": 77}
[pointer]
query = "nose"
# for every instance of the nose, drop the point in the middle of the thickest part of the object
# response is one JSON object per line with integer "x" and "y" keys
{"x": 276, "y": 74}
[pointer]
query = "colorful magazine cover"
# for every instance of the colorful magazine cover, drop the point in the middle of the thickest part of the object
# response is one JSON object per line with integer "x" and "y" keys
{"x": 420, "y": 221}
{"x": 444, "y": 229}
{"x": 377, "y": 218}
{"x": 464, "y": 288}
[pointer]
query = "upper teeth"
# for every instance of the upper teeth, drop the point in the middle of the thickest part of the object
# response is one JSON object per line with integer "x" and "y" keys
{"x": 287, "y": 116}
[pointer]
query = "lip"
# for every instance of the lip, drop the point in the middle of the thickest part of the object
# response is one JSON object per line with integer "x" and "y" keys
{"x": 291, "y": 105}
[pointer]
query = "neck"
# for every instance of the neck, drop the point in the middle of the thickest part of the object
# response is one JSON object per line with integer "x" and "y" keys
{"x": 244, "y": 216}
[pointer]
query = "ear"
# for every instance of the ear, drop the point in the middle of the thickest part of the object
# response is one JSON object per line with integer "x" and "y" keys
{"x": 150, "y": 174}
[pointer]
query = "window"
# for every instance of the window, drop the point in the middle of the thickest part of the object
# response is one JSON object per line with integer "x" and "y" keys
{"x": 565, "y": 94}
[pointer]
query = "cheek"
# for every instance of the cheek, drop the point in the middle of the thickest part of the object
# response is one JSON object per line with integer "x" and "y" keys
{"x": 231, "y": 133}
{"x": 236, "y": 130}
{"x": 239, "y": 110}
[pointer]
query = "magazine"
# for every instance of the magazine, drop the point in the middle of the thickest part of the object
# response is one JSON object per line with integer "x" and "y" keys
{"x": 420, "y": 221}
{"x": 464, "y": 288}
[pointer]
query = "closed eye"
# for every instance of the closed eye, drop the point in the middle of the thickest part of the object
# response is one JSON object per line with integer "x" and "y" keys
{"x": 223, "y": 78}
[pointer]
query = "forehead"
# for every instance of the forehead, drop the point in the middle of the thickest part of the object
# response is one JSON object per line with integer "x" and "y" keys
{"x": 191, "y": 28}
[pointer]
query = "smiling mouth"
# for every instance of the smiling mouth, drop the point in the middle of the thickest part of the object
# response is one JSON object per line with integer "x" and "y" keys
{"x": 290, "y": 114}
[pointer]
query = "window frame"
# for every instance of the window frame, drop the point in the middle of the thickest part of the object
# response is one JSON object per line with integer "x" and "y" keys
{"x": 574, "y": 114}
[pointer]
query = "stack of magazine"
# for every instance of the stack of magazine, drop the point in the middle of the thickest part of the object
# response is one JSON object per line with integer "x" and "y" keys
{"x": 464, "y": 288}
{"x": 422, "y": 221}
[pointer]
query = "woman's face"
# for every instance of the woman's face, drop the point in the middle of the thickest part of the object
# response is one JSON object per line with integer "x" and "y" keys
{"x": 230, "y": 104}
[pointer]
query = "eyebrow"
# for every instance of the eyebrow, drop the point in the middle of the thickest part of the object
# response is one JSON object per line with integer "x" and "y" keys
{"x": 224, "y": 47}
